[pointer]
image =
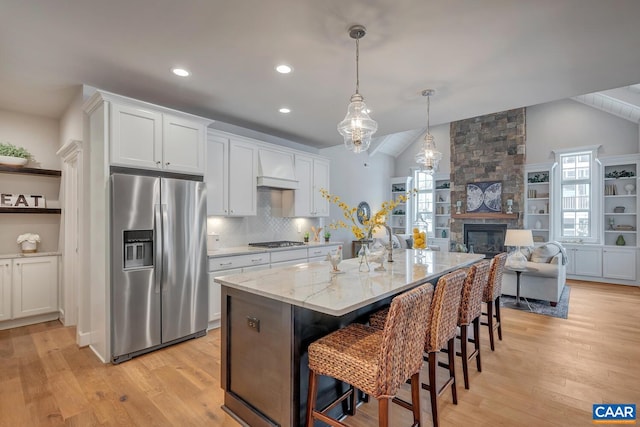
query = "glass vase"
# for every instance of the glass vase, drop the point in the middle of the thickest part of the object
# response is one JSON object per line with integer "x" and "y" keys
{"x": 363, "y": 254}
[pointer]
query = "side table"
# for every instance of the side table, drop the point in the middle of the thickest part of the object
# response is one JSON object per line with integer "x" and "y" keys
{"x": 516, "y": 304}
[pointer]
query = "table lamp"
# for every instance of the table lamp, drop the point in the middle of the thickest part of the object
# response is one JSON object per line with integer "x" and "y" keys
{"x": 518, "y": 239}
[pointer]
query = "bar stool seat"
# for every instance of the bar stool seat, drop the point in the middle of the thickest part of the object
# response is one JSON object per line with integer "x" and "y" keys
{"x": 375, "y": 361}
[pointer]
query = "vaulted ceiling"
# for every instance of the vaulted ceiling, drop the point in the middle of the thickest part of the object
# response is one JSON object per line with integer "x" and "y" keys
{"x": 480, "y": 56}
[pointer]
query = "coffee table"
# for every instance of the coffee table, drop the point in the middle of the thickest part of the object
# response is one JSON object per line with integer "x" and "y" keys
{"x": 517, "y": 304}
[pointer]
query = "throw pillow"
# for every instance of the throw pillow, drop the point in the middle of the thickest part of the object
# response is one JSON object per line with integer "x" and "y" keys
{"x": 410, "y": 243}
{"x": 544, "y": 253}
{"x": 395, "y": 243}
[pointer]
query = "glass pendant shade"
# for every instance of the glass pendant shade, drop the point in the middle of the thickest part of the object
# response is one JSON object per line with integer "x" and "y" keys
{"x": 428, "y": 156}
{"x": 357, "y": 127}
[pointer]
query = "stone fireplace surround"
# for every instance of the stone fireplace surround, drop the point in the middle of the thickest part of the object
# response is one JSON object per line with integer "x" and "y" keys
{"x": 488, "y": 148}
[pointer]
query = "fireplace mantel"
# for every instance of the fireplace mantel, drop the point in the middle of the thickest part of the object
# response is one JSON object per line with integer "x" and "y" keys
{"x": 485, "y": 215}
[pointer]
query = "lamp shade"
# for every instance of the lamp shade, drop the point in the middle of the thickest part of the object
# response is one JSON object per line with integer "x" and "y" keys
{"x": 518, "y": 238}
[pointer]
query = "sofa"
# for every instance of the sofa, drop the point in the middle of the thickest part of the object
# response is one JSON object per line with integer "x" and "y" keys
{"x": 546, "y": 279}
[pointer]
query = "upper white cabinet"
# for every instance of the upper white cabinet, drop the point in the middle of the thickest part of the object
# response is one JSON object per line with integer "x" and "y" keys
{"x": 231, "y": 175}
{"x": 147, "y": 136}
{"x": 307, "y": 201}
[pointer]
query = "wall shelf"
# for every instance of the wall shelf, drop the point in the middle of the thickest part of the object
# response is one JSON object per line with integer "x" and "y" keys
{"x": 485, "y": 215}
{"x": 30, "y": 171}
{"x": 30, "y": 210}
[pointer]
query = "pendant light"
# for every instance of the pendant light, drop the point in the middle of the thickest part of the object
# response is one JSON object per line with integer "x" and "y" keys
{"x": 357, "y": 127}
{"x": 428, "y": 156}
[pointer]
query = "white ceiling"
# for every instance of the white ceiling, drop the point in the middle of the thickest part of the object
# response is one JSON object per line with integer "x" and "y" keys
{"x": 481, "y": 56}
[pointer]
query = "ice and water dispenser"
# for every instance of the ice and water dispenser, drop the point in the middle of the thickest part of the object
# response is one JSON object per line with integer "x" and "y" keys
{"x": 138, "y": 248}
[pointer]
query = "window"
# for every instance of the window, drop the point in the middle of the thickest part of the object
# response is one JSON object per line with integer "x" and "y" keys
{"x": 577, "y": 199}
{"x": 423, "y": 206}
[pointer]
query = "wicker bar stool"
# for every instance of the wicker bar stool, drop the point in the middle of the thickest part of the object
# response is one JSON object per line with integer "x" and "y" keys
{"x": 491, "y": 297}
{"x": 375, "y": 361}
{"x": 441, "y": 332}
{"x": 470, "y": 312}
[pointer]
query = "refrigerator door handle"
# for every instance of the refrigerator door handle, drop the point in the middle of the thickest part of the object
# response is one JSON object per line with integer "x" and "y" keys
{"x": 158, "y": 234}
{"x": 166, "y": 250}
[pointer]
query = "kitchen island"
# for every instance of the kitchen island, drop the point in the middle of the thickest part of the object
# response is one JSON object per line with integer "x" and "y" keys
{"x": 270, "y": 317}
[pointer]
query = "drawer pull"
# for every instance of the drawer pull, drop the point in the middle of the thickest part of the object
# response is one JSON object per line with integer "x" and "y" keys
{"x": 256, "y": 260}
{"x": 225, "y": 264}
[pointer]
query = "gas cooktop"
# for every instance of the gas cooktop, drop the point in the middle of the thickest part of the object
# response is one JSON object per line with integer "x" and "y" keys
{"x": 277, "y": 244}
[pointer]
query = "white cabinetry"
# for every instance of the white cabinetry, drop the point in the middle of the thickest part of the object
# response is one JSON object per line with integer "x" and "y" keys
{"x": 231, "y": 176}
{"x": 399, "y": 221}
{"x": 312, "y": 174}
{"x": 151, "y": 137}
{"x": 5, "y": 289}
{"x": 619, "y": 263}
{"x": 320, "y": 253}
{"x": 537, "y": 202}
{"x": 35, "y": 286}
{"x": 620, "y": 202}
{"x": 584, "y": 260}
{"x": 28, "y": 290}
{"x": 442, "y": 199}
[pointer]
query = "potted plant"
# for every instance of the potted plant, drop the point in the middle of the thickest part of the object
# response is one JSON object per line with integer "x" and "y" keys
{"x": 327, "y": 236}
{"x": 306, "y": 236}
{"x": 13, "y": 156}
{"x": 28, "y": 242}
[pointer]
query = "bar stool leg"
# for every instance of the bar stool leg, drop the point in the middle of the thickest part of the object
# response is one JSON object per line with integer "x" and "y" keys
{"x": 383, "y": 412}
{"x": 498, "y": 318}
{"x": 490, "y": 324}
{"x": 433, "y": 388}
{"x": 463, "y": 352}
{"x": 452, "y": 368}
{"x": 476, "y": 341}
{"x": 311, "y": 397}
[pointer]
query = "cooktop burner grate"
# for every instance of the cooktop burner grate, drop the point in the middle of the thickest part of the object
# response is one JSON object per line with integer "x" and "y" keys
{"x": 277, "y": 244}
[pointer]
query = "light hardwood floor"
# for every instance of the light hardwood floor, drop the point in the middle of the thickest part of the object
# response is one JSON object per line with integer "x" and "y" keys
{"x": 545, "y": 372}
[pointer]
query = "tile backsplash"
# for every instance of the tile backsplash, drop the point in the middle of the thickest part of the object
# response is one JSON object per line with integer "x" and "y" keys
{"x": 267, "y": 225}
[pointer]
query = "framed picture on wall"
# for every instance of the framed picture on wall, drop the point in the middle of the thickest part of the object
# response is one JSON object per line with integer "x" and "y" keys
{"x": 484, "y": 196}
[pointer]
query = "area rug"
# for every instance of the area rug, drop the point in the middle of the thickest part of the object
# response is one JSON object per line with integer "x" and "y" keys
{"x": 561, "y": 309}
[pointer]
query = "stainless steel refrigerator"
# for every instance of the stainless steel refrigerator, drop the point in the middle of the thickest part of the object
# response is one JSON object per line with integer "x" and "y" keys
{"x": 159, "y": 286}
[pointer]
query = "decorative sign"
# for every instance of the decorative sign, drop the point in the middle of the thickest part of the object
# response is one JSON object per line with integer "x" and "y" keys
{"x": 22, "y": 201}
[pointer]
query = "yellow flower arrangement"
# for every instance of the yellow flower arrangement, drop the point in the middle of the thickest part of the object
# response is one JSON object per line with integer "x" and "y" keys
{"x": 368, "y": 225}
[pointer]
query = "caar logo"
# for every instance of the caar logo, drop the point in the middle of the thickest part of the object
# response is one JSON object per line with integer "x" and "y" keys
{"x": 604, "y": 413}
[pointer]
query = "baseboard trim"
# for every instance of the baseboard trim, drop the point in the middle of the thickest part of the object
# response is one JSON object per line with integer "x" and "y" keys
{"x": 83, "y": 339}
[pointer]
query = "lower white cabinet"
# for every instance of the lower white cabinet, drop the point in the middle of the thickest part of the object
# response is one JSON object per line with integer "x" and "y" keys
{"x": 215, "y": 310}
{"x": 584, "y": 260}
{"x": 319, "y": 253}
{"x": 28, "y": 287}
{"x": 619, "y": 263}
{"x": 5, "y": 289}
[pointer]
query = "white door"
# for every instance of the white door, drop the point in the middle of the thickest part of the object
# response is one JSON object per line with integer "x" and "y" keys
{"x": 5, "y": 289}
{"x": 242, "y": 178}
{"x": 136, "y": 137}
{"x": 216, "y": 175}
{"x": 183, "y": 145}
{"x": 320, "y": 180}
{"x": 619, "y": 263}
{"x": 35, "y": 286}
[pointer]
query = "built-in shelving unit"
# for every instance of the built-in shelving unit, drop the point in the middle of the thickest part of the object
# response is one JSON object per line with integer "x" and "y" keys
{"x": 620, "y": 205}
{"x": 400, "y": 215}
{"x": 442, "y": 201}
{"x": 538, "y": 201}
{"x": 30, "y": 171}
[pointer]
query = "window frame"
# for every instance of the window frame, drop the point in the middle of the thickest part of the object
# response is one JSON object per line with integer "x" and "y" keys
{"x": 595, "y": 195}
{"x": 416, "y": 203}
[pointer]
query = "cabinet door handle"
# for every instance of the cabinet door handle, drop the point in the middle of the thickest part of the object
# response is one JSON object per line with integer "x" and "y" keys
{"x": 225, "y": 264}
{"x": 167, "y": 163}
{"x": 158, "y": 163}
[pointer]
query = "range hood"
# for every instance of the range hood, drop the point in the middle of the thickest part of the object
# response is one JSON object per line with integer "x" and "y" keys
{"x": 276, "y": 170}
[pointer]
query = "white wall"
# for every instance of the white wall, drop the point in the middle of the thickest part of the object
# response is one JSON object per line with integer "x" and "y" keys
{"x": 39, "y": 135}
{"x": 71, "y": 122}
{"x": 356, "y": 178}
{"x": 406, "y": 160}
{"x": 568, "y": 123}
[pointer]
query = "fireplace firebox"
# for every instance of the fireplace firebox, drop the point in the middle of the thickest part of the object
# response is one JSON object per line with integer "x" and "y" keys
{"x": 485, "y": 239}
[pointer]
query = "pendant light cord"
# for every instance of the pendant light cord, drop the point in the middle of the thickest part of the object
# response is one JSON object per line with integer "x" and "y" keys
{"x": 357, "y": 66}
{"x": 428, "y": 108}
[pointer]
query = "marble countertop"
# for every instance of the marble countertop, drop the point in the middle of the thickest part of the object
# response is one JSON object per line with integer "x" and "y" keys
{"x": 34, "y": 255}
{"x": 242, "y": 250}
{"x": 313, "y": 286}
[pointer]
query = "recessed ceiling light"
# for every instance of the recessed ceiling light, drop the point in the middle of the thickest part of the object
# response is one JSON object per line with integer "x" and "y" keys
{"x": 284, "y": 69}
{"x": 181, "y": 72}
{"x": 284, "y": 110}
